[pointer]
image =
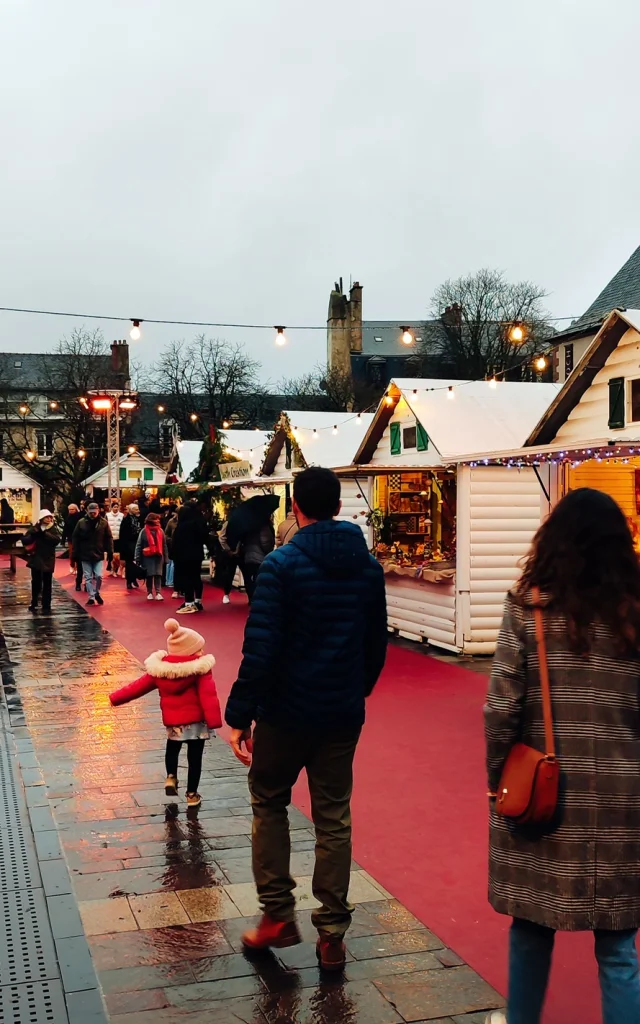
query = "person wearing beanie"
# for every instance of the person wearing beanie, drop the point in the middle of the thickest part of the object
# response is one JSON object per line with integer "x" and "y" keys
{"x": 152, "y": 554}
{"x": 40, "y": 544}
{"x": 188, "y": 701}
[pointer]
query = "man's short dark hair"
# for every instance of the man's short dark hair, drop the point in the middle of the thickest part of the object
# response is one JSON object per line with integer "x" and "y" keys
{"x": 316, "y": 492}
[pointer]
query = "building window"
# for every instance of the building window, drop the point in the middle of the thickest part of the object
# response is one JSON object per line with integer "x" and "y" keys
{"x": 148, "y": 473}
{"x": 378, "y": 339}
{"x": 122, "y": 473}
{"x": 634, "y": 400}
{"x": 616, "y": 403}
{"x": 568, "y": 359}
{"x": 17, "y": 364}
{"x": 44, "y": 444}
{"x": 135, "y": 474}
{"x": 395, "y": 443}
{"x": 409, "y": 438}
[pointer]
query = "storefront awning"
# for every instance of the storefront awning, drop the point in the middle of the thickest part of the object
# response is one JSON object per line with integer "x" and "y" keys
{"x": 575, "y": 452}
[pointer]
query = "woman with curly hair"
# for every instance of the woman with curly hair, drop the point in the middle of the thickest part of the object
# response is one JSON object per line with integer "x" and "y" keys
{"x": 582, "y": 871}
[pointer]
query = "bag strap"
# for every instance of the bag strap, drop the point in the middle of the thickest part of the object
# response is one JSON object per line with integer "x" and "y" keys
{"x": 544, "y": 676}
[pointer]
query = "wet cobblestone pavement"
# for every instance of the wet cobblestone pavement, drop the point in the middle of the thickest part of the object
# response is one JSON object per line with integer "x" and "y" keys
{"x": 159, "y": 895}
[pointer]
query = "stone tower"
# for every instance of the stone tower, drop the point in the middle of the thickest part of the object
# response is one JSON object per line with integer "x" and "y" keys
{"x": 344, "y": 326}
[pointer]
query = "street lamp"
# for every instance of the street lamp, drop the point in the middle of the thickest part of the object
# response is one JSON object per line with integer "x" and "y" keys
{"x": 112, "y": 403}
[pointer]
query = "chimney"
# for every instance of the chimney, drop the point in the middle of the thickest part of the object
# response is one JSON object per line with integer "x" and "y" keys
{"x": 452, "y": 316}
{"x": 338, "y": 340}
{"x": 355, "y": 317}
{"x": 120, "y": 362}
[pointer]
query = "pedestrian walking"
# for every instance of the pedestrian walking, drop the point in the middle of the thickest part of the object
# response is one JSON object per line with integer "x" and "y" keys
{"x": 169, "y": 530}
{"x": 40, "y": 544}
{"x": 582, "y": 871}
{"x": 7, "y": 515}
{"x": 188, "y": 701}
{"x": 91, "y": 541}
{"x": 226, "y": 564}
{"x": 315, "y": 644}
{"x": 129, "y": 530}
{"x": 114, "y": 518}
{"x": 287, "y": 529}
{"x": 74, "y": 515}
{"x": 151, "y": 554}
{"x": 253, "y": 551}
{"x": 188, "y": 554}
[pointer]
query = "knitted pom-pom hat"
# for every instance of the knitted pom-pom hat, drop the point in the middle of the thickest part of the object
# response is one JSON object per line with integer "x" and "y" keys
{"x": 181, "y": 640}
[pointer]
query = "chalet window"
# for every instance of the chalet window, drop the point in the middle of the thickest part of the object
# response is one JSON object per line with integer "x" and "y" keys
{"x": 148, "y": 473}
{"x": 568, "y": 359}
{"x": 616, "y": 403}
{"x": 395, "y": 442}
{"x": 634, "y": 400}
{"x": 409, "y": 437}
{"x": 423, "y": 438}
{"x": 122, "y": 473}
{"x": 44, "y": 444}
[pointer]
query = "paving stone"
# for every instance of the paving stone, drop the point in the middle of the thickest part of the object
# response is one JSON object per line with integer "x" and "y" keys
{"x": 393, "y": 916}
{"x": 354, "y": 1002}
{"x": 391, "y": 944}
{"x": 428, "y": 994}
{"x": 158, "y": 910}
{"x": 135, "y": 979}
{"x": 85, "y": 1007}
{"x": 102, "y": 916}
{"x": 159, "y": 945}
{"x": 224, "y": 1011}
{"x": 55, "y": 877}
{"x": 205, "y": 993}
{"x": 208, "y": 904}
{"x": 76, "y": 965}
{"x": 382, "y": 966}
{"x": 133, "y": 1002}
{"x": 64, "y": 917}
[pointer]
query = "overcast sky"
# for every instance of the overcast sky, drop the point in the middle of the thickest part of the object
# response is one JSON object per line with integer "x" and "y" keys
{"x": 229, "y": 159}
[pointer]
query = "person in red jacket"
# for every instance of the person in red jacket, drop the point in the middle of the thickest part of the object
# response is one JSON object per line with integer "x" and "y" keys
{"x": 188, "y": 701}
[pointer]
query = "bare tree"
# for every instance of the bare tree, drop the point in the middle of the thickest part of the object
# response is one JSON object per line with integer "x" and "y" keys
{"x": 478, "y": 313}
{"x": 209, "y": 379}
{"x": 329, "y": 390}
{"x": 44, "y": 427}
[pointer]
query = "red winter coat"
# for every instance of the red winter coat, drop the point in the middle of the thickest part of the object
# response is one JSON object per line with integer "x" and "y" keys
{"x": 186, "y": 687}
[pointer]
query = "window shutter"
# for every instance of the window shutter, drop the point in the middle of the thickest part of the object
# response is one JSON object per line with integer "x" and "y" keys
{"x": 422, "y": 437}
{"x": 122, "y": 473}
{"x": 148, "y": 472}
{"x": 616, "y": 402}
{"x": 396, "y": 446}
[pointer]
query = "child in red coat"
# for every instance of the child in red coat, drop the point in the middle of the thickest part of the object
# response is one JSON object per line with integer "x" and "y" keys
{"x": 188, "y": 701}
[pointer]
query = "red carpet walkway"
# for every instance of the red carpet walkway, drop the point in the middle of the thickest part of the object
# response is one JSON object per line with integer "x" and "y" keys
{"x": 420, "y": 815}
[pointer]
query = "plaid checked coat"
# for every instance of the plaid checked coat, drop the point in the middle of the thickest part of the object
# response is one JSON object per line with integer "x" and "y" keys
{"x": 583, "y": 871}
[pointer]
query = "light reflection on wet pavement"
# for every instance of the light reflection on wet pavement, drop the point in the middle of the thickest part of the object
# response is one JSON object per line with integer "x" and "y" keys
{"x": 164, "y": 892}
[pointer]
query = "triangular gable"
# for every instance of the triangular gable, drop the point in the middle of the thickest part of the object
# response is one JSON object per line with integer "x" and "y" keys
{"x": 578, "y": 383}
{"x": 123, "y": 458}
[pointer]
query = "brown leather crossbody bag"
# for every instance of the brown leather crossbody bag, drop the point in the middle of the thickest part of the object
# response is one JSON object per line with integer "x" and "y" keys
{"x": 528, "y": 790}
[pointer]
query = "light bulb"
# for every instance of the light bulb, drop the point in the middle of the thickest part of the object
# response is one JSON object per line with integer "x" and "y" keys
{"x": 225, "y": 424}
{"x": 315, "y": 433}
{"x": 358, "y": 418}
{"x": 541, "y": 363}
{"x": 407, "y": 336}
{"x": 131, "y": 449}
{"x": 134, "y": 333}
{"x": 24, "y": 409}
{"x": 415, "y": 392}
{"x": 30, "y": 455}
{"x": 281, "y": 338}
{"x": 517, "y": 333}
{"x": 451, "y": 394}
{"x": 389, "y": 400}
{"x": 193, "y": 417}
{"x": 81, "y": 453}
{"x": 493, "y": 382}
{"x": 334, "y": 431}
{"x": 53, "y": 405}
{"x": 161, "y": 408}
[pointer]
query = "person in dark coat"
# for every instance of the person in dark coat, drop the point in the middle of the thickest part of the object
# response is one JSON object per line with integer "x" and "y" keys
{"x": 74, "y": 515}
{"x": 7, "y": 515}
{"x": 91, "y": 541}
{"x": 314, "y": 646}
{"x": 40, "y": 544}
{"x": 129, "y": 529}
{"x": 582, "y": 872}
{"x": 187, "y": 549}
{"x": 253, "y": 551}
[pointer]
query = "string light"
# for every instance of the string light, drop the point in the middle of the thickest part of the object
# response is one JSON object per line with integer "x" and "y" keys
{"x": 193, "y": 417}
{"x": 135, "y": 332}
{"x": 358, "y": 418}
{"x": 407, "y": 336}
{"x": 24, "y": 409}
{"x": 30, "y": 454}
{"x": 53, "y": 405}
{"x": 131, "y": 449}
{"x": 389, "y": 400}
{"x": 541, "y": 363}
{"x": 315, "y": 433}
{"x": 335, "y": 430}
{"x": 493, "y": 383}
{"x": 451, "y": 393}
{"x": 161, "y": 408}
{"x": 281, "y": 338}
{"x": 225, "y": 424}
{"x": 81, "y": 453}
{"x": 517, "y": 333}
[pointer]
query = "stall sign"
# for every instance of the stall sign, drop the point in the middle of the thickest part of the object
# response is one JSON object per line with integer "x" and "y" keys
{"x": 235, "y": 470}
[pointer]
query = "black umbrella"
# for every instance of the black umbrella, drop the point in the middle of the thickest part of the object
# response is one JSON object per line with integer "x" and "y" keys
{"x": 250, "y": 516}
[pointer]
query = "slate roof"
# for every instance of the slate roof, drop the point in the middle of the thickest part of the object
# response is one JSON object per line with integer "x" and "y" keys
{"x": 27, "y": 371}
{"x": 622, "y": 292}
{"x": 426, "y": 332}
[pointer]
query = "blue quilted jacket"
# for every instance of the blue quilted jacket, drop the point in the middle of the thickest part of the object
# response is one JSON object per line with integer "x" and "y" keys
{"x": 316, "y": 637}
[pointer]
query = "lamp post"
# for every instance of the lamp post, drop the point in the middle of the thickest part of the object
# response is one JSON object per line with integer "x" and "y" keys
{"x": 112, "y": 402}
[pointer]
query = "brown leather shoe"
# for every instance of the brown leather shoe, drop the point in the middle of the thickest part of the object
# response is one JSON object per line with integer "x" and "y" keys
{"x": 272, "y": 934}
{"x": 331, "y": 953}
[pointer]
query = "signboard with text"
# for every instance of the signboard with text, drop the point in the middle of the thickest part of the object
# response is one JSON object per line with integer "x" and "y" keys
{"x": 235, "y": 470}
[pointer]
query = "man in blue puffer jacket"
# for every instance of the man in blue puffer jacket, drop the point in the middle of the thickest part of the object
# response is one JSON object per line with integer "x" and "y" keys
{"x": 314, "y": 646}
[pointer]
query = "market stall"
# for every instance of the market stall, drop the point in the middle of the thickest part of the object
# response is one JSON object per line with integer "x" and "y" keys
{"x": 21, "y": 492}
{"x": 136, "y": 475}
{"x": 329, "y": 439}
{"x": 449, "y": 537}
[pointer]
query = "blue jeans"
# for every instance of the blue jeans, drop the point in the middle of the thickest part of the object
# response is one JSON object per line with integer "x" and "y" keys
{"x": 169, "y": 574}
{"x": 92, "y": 572}
{"x": 530, "y": 950}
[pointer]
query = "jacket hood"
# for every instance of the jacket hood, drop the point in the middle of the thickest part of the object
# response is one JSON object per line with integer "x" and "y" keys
{"x": 339, "y": 548}
{"x": 180, "y": 671}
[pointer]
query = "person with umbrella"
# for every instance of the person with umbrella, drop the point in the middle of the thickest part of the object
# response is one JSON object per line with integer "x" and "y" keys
{"x": 250, "y": 527}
